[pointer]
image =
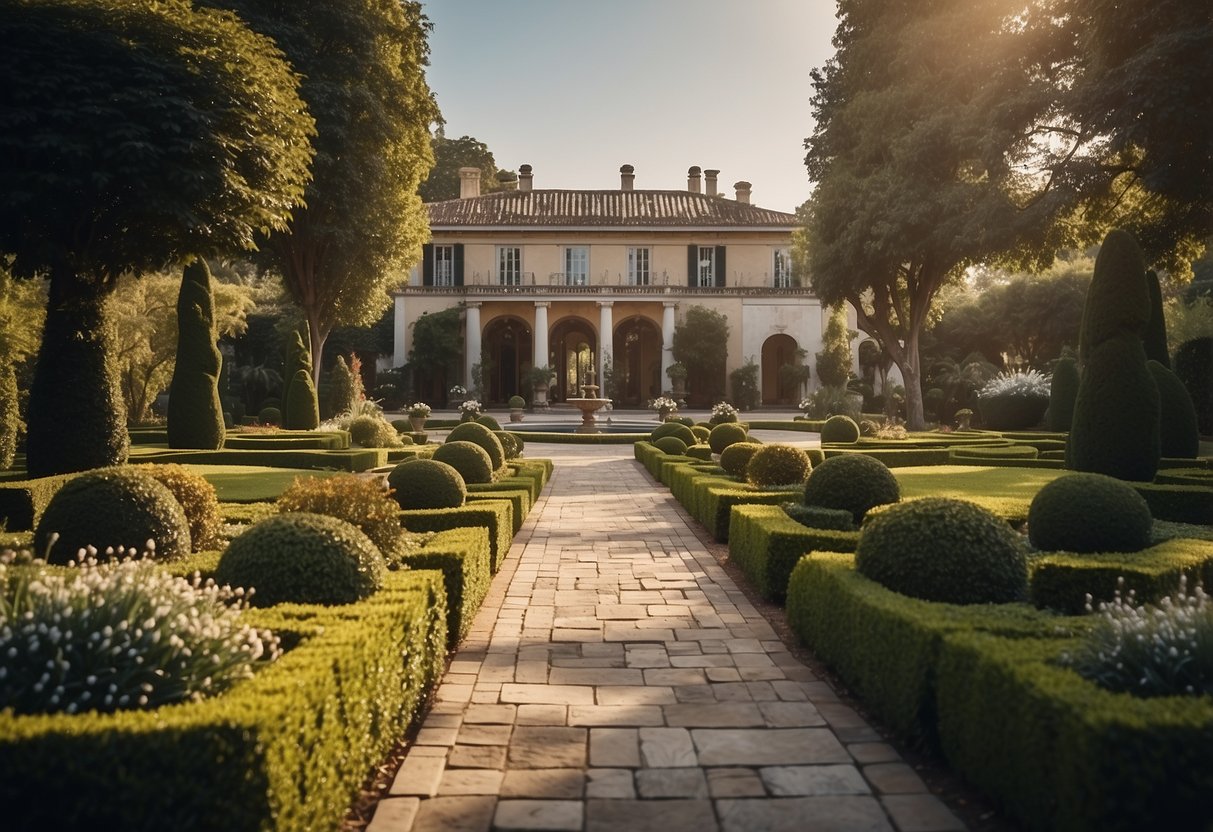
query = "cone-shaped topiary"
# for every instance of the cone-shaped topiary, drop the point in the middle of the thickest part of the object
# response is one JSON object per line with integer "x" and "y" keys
{"x": 195, "y": 414}
{"x": 853, "y": 482}
{"x": 736, "y": 457}
{"x": 1178, "y": 434}
{"x": 1089, "y": 513}
{"x": 840, "y": 429}
{"x": 1118, "y": 300}
{"x": 198, "y": 500}
{"x": 341, "y": 385}
{"x": 671, "y": 445}
{"x": 773, "y": 465}
{"x": 1155, "y": 337}
{"x": 482, "y": 435}
{"x": 1194, "y": 367}
{"x": 1063, "y": 391}
{"x": 301, "y": 411}
{"x": 302, "y": 559}
{"x": 123, "y": 507}
{"x": 298, "y": 357}
{"x": 725, "y": 434}
{"x": 468, "y": 458}
{"x": 942, "y": 549}
{"x": 673, "y": 429}
{"x": 427, "y": 483}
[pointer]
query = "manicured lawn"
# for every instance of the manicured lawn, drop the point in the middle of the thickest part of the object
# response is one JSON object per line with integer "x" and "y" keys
{"x": 1006, "y": 491}
{"x": 252, "y": 483}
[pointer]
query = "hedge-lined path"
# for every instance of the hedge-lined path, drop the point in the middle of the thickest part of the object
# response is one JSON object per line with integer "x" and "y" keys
{"x": 617, "y": 679}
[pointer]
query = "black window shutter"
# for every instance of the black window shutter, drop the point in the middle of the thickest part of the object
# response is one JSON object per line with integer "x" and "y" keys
{"x": 457, "y": 265}
{"x": 427, "y": 264}
{"x": 720, "y": 265}
{"x": 692, "y": 265}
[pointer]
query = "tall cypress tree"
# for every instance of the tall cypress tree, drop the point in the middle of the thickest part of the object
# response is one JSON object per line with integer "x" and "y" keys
{"x": 1156, "y": 330}
{"x": 300, "y": 406}
{"x": 195, "y": 414}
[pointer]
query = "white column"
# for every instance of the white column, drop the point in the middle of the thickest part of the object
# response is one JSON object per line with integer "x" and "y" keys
{"x": 606, "y": 330}
{"x": 540, "y": 351}
{"x": 667, "y": 341}
{"x": 472, "y": 342}
{"x": 400, "y": 333}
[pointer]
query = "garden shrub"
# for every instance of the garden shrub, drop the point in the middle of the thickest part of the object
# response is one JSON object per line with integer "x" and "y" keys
{"x": 270, "y": 416}
{"x": 1014, "y": 401}
{"x": 463, "y": 557}
{"x": 479, "y": 434}
{"x": 1178, "y": 435}
{"x": 943, "y": 549}
{"x": 197, "y": 498}
{"x": 302, "y": 409}
{"x": 374, "y": 432}
{"x": 671, "y": 445}
{"x": 701, "y": 433}
{"x": 195, "y": 414}
{"x": 702, "y": 451}
{"x": 1089, "y": 513}
{"x": 344, "y": 390}
{"x": 517, "y": 402}
{"x": 1154, "y": 338}
{"x": 122, "y": 507}
{"x": 853, "y": 483}
{"x": 1194, "y": 367}
{"x": 778, "y": 465}
{"x": 468, "y": 458}
{"x": 1063, "y": 391}
{"x": 673, "y": 429}
{"x": 724, "y": 435}
{"x": 360, "y": 501}
{"x": 302, "y": 559}
{"x": 511, "y": 444}
{"x": 820, "y": 517}
{"x": 402, "y": 426}
{"x": 840, "y": 429}
{"x": 426, "y": 483}
{"x": 489, "y": 422}
{"x": 735, "y": 457}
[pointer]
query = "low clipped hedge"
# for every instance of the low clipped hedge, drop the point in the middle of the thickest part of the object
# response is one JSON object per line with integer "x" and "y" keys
{"x": 495, "y": 515}
{"x": 355, "y": 459}
{"x": 766, "y": 544}
{"x": 1181, "y": 503}
{"x": 896, "y": 457}
{"x": 288, "y": 749}
{"x": 1017, "y": 452}
{"x": 326, "y": 440}
{"x": 581, "y": 438}
{"x": 537, "y": 468}
{"x": 714, "y": 503}
{"x": 23, "y": 501}
{"x": 1059, "y": 752}
{"x": 519, "y": 498}
{"x": 462, "y": 556}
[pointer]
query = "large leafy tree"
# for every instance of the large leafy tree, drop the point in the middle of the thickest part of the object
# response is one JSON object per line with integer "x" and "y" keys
{"x": 465, "y": 152}
{"x": 701, "y": 342}
{"x": 22, "y": 311}
{"x": 925, "y": 162}
{"x": 135, "y": 134}
{"x": 363, "y": 67}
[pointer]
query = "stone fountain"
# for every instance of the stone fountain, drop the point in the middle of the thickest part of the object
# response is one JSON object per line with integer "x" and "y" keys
{"x": 588, "y": 404}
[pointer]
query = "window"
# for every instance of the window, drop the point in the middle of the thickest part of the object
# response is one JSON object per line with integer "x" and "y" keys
{"x": 509, "y": 265}
{"x": 577, "y": 266}
{"x": 707, "y": 266}
{"x": 444, "y": 265}
{"x": 638, "y": 267}
{"x": 783, "y": 268}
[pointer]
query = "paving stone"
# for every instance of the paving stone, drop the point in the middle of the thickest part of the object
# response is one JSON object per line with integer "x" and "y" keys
{"x": 418, "y": 776}
{"x": 477, "y": 756}
{"x": 547, "y": 694}
{"x": 544, "y": 747}
{"x": 735, "y": 782}
{"x": 715, "y": 715}
{"x": 394, "y": 814}
{"x": 437, "y": 736}
{"x": 538, "y": 814}
{"x": 650, "y": 816}
{"x": 790, "y": 714}
{"x": 667, "y": 748}
{"x": 671, "y": 782}
{"x": 595, "y": 676}
{"x": 619, "y": 715}
{"x": 767, "y": 746}
{"x": 627, "y": 695}
{"x": 894, "y": 778}
{"x": 485, "y": 734}
{"x": 455, "y": 814}
{"x": 542, "y": 714}
{"x": 614, "y": 747}
{"x": 808, "y": 781}
{"x": 820, "y": 814}
{"x": 546, "y": 783}
{"x": 695, "y": 693}
{"x": 921, "y": 813}
{"x": 490, "y": 714}
{"x": 462, "y": 781}
{"x": 873, "y": 752}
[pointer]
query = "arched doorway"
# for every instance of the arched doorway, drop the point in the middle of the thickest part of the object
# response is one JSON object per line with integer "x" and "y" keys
{"x": 637, "y": 361}
{"x": 574, "y": 348}
{"x": 508, "y": 342}
{"x": 778, "y": 350}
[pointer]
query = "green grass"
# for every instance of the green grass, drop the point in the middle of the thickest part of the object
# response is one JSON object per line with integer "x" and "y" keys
{"x": 252, "y": 483}
{"x": 1006, "y": 491}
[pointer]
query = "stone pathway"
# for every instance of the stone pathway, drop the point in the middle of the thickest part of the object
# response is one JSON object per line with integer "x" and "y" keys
{"x": 617, "y": 679}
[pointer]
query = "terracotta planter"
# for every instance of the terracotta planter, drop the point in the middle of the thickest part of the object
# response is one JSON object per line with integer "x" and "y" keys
{"x": 417, "y": 423}
{"x": 516, "y": 415}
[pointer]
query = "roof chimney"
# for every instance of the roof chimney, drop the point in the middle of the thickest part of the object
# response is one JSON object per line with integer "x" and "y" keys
{"x": 469, "y": 182}
{"x": 709, "y": 180}
{"x": 743, "y": 191}
{"x": 693, "y": 179}
{"x": 627, "y": 177}
{"x": 524, "y": 178}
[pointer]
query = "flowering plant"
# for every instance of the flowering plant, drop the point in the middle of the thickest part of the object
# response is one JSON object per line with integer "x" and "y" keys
{"x": 457, "y": 391}
{"x": 419, "y": 409}
{"x": 663, "y": 404}
{"x": 470, "y": 406}
{"x": 723, "y": 412}
{"x": 1017, "y": 383}
{"x": 806, "y": 404}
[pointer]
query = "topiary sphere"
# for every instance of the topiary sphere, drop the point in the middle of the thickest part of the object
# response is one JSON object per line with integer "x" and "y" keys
{"x": 483, "y": 436}
{"x": 402, "y": 426}
{"x": 468, "y": 458}
{"x": 701, "y": 433}
{"x": 1089, "y": 513}
{"x": 778, "y": 465}
{"x": 736, "y": 457}
{"x": 122, "y": 507}
{"x": 510, "y": 443}
{"x": 361, "y": 501}
{"x": 840, "y": 429}
{"x": 852, "y": 482}
{"x": 197, "y": 498}
{"x": 942, "y": 549}
{"x": 671, "y": 445}
{"x": 427, "y": 483}
{"x": 702, "y": 452}
{"x": 672, "y": 429}
{"x": 302, "y": 559}
{"x": 270, "y": 416}
{"x": 517, "y": 402}
{"x": 724, "y": 435}
{"x": 488, "y": 421}
{"x": 373, "y": 432}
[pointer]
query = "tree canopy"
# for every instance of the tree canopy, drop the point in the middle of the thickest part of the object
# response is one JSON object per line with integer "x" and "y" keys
{"x": 701, "y": 343}
{"x": 465, "y": 152}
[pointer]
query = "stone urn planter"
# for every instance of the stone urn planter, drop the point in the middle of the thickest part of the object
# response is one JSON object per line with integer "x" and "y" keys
{"x": 417, "y": 423}
{"x": 517, "y": 403}
{"x": 418, "y": 412}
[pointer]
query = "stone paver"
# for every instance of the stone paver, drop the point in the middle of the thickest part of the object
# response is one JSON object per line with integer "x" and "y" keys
{"x": 616, "y": 678}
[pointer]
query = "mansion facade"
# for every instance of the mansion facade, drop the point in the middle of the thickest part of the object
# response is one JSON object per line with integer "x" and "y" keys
{"x": 587, "y": 281}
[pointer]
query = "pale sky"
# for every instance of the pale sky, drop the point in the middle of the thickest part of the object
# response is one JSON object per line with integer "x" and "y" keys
{"x": 576, "y": 88}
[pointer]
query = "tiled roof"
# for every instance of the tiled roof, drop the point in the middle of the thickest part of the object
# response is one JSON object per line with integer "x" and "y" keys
{"x": 627, "y": 209}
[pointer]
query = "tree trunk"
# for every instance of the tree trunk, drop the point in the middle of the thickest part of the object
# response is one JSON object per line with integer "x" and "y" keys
{"x": 911, "y": 373}
{"x": 318, "y": 339}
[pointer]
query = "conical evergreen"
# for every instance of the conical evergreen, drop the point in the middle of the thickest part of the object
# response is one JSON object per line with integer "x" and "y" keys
{"x": 1063, "y": 392}
{"x": 302, "y": 410}
{"x": 195, "y": 414}
{"x": 1156, "y": 330}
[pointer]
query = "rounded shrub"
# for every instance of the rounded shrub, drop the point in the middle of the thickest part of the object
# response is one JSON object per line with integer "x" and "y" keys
{"x": 1089, "y": 513}
{"x": 702, "y": 451}
{"x": 270, "y": 416}
{"x": 778, "y": 465}
{"x": 852, "y": 482}
{"x": 517, "y": 402}
{"x": 736, "y": 457}
{"x": 197, "y": 498}
{"x": 725, "y": 434}
{"x": 426, "y": 483}
{"x": 360, "y": 501}
{"x": 479, "y": 434}
{"x": 1178, "y": 435}
{"x": 942, "y": 549}
{"x": 510, "y": 443}
{"x": 685, "y": 420}
{"x": 488, "y": 421}
{"x": 468, "y": 458}
{"x": 373, "y": 432}
{"x": 840, "y": 429}
{"x": 701, "y": 433}
{"x": 671, "y": 445}
{"x": 302, "y": 559}
{"x": 402, "y": 426}
{"x": 122, "y": 507}
{"x": 672, "y": 429}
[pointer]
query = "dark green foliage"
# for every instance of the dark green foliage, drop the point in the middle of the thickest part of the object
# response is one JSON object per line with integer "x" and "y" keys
{"x": 834, "y": 360}
{"x": 195, "y": 414}
{"x": 1155, "y": 336}
{"x": 489, "y": 422}
{"x": 840, "y": 429}
{"x": 676, "y": 429}
{"x": 743, "y": 383}
{"x": 942, "y": 549}
{"x": 735, "y": 457}
{"x": 302, "y": 408}
{"x": 517, "y": 403}
{"x": 270, "y": 416}
{"x": 482, "y": 435}
{"x": 22, "y": 502}
{"x": 853, "y": 483}
{"x": 1181, "y": 503}
{"x": 724, "y": 435}
{"x": 10, "y": 416}
{"x": 511, "y": 444}
{"x": 198, "y": 500}
{"x": 1063, "y": 392}
{"x": 773, "y": 465}
{"x": 820, "y": 517}
{"x": 1194, "y": 366}
{"x": 122, "y": 507}
{"x": 701, "y": 432}
{"x": 1118, "y": 300}
{"x": 671, "y": 445}
{"x": 1012, "y": 412}
{"x": 303, "y": 559}
{"x": 1116, "y": 417}
{"x": 701, "y": 342}
{"x": 766, "y": 543}
{"x": 1178, "y": 435}
{"x": 1089, "y": 513}
{"x": 427, "y": 483}
{"x": 468, "y": 458}
{"x": 701, "y": 451}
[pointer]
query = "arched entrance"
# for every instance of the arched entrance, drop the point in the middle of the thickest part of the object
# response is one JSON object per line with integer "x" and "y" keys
{"x": 574, "y": 348}
{"x": 637, "y": 359}
{"x": 508, "y": 343}
{"x": 778, "y": 350}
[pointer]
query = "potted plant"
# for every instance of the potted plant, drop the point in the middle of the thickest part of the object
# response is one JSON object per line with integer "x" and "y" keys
{"x": 418, "y": 413}
{"x": 516, "y": 405}
{"x": 723, "y": 412}
{"x": 469, "y": 410}
{"x": 678, "y": 378}
{"x": 540, "y": 379}
{"x": 666, "y": 408}
{"x": 962, "y": 418}
{"x": 455, "y": 395}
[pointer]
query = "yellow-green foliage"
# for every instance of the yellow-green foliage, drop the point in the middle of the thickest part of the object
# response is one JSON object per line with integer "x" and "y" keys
{"x": 373, "y": 432}
{"x": 724, "y": 435}
{"x": 671, "y": 445}
{"x": 774, "y": 465}
{"x": 480, "y": 434}
{"x": 736, "y": 457}
{"x": 462, "y": 555}
{"x": 766, "y": 544}
{"x": 468, "y": 458}
{"x": 841, "y": 429}
{"x": 360, "y": 501}
{"x": 494, "y": 515}
{"x": 426, "y": 484}
{"x": 197, "y": 498}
